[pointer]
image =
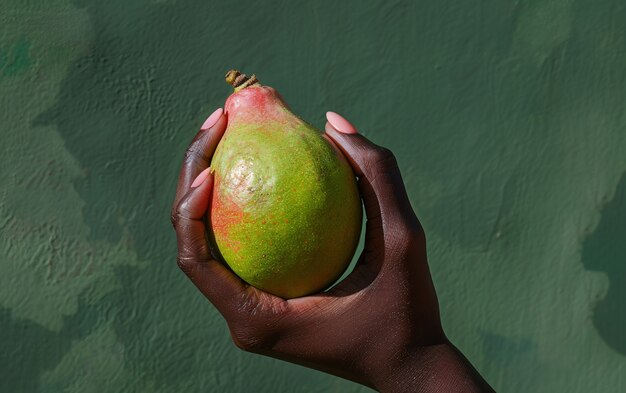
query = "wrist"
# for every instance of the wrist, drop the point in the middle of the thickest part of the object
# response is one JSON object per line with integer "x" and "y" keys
{"x": 431, "y": 368}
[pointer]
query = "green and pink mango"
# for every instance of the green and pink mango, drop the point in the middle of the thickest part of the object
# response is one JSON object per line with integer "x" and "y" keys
{"x": 285, "y": 213}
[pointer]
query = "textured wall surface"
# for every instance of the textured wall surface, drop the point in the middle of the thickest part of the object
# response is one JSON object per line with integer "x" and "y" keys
{"x": 508, "y": 119}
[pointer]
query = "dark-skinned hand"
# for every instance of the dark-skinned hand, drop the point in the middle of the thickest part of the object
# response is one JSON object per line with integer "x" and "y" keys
{"x": 379, "y": 327}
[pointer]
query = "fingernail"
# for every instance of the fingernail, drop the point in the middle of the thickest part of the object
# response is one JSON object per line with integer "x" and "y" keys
{"x": 211, "y": 120}
{"x": 201, "y": 178}
{"x": 340, "y": 124}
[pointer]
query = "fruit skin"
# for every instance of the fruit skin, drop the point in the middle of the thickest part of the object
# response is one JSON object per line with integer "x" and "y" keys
{"x": 285, "y": 213}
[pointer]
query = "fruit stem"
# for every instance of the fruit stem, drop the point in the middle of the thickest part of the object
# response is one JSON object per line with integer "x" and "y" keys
{"x": 240, "y": 81}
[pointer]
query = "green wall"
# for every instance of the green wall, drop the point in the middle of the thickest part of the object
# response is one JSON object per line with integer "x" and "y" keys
{"x": 508, "y": 119}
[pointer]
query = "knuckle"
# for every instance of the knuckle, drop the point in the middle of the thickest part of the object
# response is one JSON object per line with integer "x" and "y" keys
{"x": 246, "y": 341}
{"x": 380, "y": 154}
{"x": 380, "y": 166}
{"x": 192, "y": 150}
{"x": 256, "y": 321}
{"x": 249, "y": 337}
{"x": 195, "y": 152}
{"x": 380, "y": 159}
{"x": 185, "y": 264}
{"x": 180, "y": 213}
{"x": 174, "y": 217}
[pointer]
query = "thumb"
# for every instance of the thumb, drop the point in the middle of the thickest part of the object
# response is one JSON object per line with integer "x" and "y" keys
{"x": 384, "y": 195}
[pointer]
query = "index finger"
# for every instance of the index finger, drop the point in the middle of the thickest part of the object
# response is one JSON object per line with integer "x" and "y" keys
{"x": 200, "y": 151}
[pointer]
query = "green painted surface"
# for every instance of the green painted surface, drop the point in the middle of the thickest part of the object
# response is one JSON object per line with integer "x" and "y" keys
{"x": 508, "y": 119}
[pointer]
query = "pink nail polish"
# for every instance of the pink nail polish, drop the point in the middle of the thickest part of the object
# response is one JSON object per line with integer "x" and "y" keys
{"x": 211, "y": 120}
{"x": 340, "y": 124}
{"x": 201, "y": 178}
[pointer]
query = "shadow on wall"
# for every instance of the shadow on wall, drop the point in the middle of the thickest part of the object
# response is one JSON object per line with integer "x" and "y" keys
{"x": 605, "y": 250}
{"x": 38, "y": 349}
{"x": 21, "y": 364}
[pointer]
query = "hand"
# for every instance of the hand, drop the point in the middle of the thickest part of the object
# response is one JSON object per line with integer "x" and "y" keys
{"x": 379, "y": 327}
